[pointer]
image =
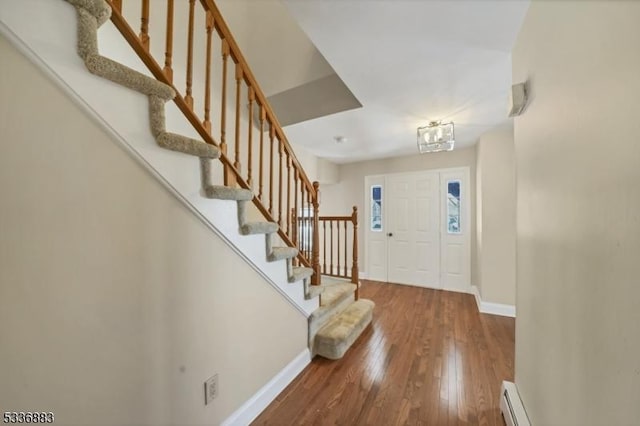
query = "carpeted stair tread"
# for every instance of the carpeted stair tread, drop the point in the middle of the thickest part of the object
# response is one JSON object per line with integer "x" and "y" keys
{"x": 176, "y": 142}
{"x": 333, "y": 340}
{"x": 226, "y": 193}
{"x": 333, "y": 293}
{"x": 335, "y": 298}
{"x": 186, "y": 145}
{"x": 91, "y": 15}
{"x": 313, "y": 291}
{"x": 127, "y": 77}
{"x": 252, "y": 228}
{"x": 99, "y": 9}
{"x": 299, "y": 273}
{"x": 279, "y": 253}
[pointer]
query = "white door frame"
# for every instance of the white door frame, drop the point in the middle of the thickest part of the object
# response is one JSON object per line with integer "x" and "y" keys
{"x": 466, "y": 220}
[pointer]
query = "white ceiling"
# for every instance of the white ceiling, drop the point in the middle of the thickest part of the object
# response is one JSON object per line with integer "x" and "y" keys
{"x": 409, "y": 62}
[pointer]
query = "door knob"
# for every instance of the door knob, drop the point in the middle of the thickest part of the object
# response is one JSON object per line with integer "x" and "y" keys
{"x": 390, "y": 234}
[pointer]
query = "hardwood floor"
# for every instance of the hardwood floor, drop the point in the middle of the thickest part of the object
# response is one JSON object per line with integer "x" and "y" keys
{"x": 428, "y": 358}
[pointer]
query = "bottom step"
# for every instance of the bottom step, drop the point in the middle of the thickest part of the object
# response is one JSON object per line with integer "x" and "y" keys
{"x": 333, "y": 340}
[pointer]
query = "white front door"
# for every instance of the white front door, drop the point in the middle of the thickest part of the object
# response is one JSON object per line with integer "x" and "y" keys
{"x": 413, "y": 225}
{"x": 418, "y": 229}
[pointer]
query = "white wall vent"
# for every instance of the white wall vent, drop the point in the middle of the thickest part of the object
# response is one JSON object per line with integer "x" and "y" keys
{"x": 511, "y": 406}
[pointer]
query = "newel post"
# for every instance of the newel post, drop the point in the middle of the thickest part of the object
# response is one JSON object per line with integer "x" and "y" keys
{"x": 354, "y": 268}
{"x": 315, "y": 256}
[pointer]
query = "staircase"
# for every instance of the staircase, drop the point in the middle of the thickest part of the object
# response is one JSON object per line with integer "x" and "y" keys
{"x": 291, "y": 232}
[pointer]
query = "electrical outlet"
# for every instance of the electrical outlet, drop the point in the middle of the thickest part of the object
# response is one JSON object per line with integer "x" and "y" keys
{"x": 210, "y": 389}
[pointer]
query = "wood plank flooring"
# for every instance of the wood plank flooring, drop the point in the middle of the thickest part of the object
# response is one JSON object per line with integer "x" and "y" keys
{"x": 428, "y": 358}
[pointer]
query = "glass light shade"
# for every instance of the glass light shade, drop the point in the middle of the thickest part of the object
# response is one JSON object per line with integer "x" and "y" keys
{"x": 436, "y": 137}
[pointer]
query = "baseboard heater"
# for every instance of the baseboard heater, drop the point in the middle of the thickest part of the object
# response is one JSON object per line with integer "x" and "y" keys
{"x": 511, "y": 406}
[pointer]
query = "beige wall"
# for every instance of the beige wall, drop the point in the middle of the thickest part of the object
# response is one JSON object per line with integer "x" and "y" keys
{"x": 265, "y": 30}
{"x": 116, "y": 302}
{"x": 578, "y": 158}
{"x": 316, "y": 168}
{"x": 496, "y": 216}
{"x": 339, "y": 198}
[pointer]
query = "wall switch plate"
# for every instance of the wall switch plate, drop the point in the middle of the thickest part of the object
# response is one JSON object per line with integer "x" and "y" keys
{"x": 210, "y": 389}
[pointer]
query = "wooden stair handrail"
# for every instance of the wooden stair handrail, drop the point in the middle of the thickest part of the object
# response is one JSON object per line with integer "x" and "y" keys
{"x": 336, "y": 218}
{"x": 132, "y": 38}
{"x": 249, "y": 78}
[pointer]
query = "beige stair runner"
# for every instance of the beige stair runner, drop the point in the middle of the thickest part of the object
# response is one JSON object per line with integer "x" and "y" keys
{"x": 339, "y": 320}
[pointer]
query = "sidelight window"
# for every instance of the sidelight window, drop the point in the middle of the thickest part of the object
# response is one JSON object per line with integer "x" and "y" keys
{"x": 453, "y": 207}
{"x": 376, "y": 208}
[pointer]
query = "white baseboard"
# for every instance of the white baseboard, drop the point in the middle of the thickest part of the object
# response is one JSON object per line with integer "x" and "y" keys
{"x": 476, "y": 293}
{"x": 492, "y": 308}
{"x": 261, "y": 399}
{"x": 511, "y": 406}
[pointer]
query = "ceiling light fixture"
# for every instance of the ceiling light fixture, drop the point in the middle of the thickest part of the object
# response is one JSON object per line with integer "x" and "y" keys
{"x": 340, "y": 139}
{"x": 436, "y": 137}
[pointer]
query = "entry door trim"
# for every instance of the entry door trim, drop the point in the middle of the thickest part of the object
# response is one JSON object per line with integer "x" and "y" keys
{"x": 465, "y": 171}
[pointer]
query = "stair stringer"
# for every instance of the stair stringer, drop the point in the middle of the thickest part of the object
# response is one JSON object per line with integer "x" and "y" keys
{"x": 45, "y": 31}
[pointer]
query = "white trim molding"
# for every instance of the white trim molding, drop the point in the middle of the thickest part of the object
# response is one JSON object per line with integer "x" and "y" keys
{"x": 492, "y": 308}
{"x": 261, "y": 399}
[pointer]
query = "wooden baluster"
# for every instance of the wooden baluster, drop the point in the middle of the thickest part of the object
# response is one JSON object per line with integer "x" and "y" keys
{"x": 306, "y": 224}
{"x": 295, "y": 195}
{"x": 223, "y": 110}
{"x": 117, "y": 5}
{"x": 144, "y": 24}
{"x": 331, "y": 259}
{"x": 309, "y": 225}
{"x": 355, "y": 273}
{"x": 280, "y": 167}
{"x": 302, "y": 211}
{"x": 288, "y": 190}
{"x": 295, "y": 205}
{"x": 338, "y": 246}
{"x": 324, "y": 246}
{"x": 272, "y": 134}
{"x": 262, "y": 118}
{"x": 345, "y": 249}
{"x": 189, "y": 98}
{"x": 294, "y": 233}
{"x": 168, "y": 53}
{"x": 239, "y": 74}
{"x": 315, "y": 264}
{"x": 293, "y": 226}
{"x": 301, "y": 223}
{"x": 252, "y": 98}
{"x": 207, "y": 77}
